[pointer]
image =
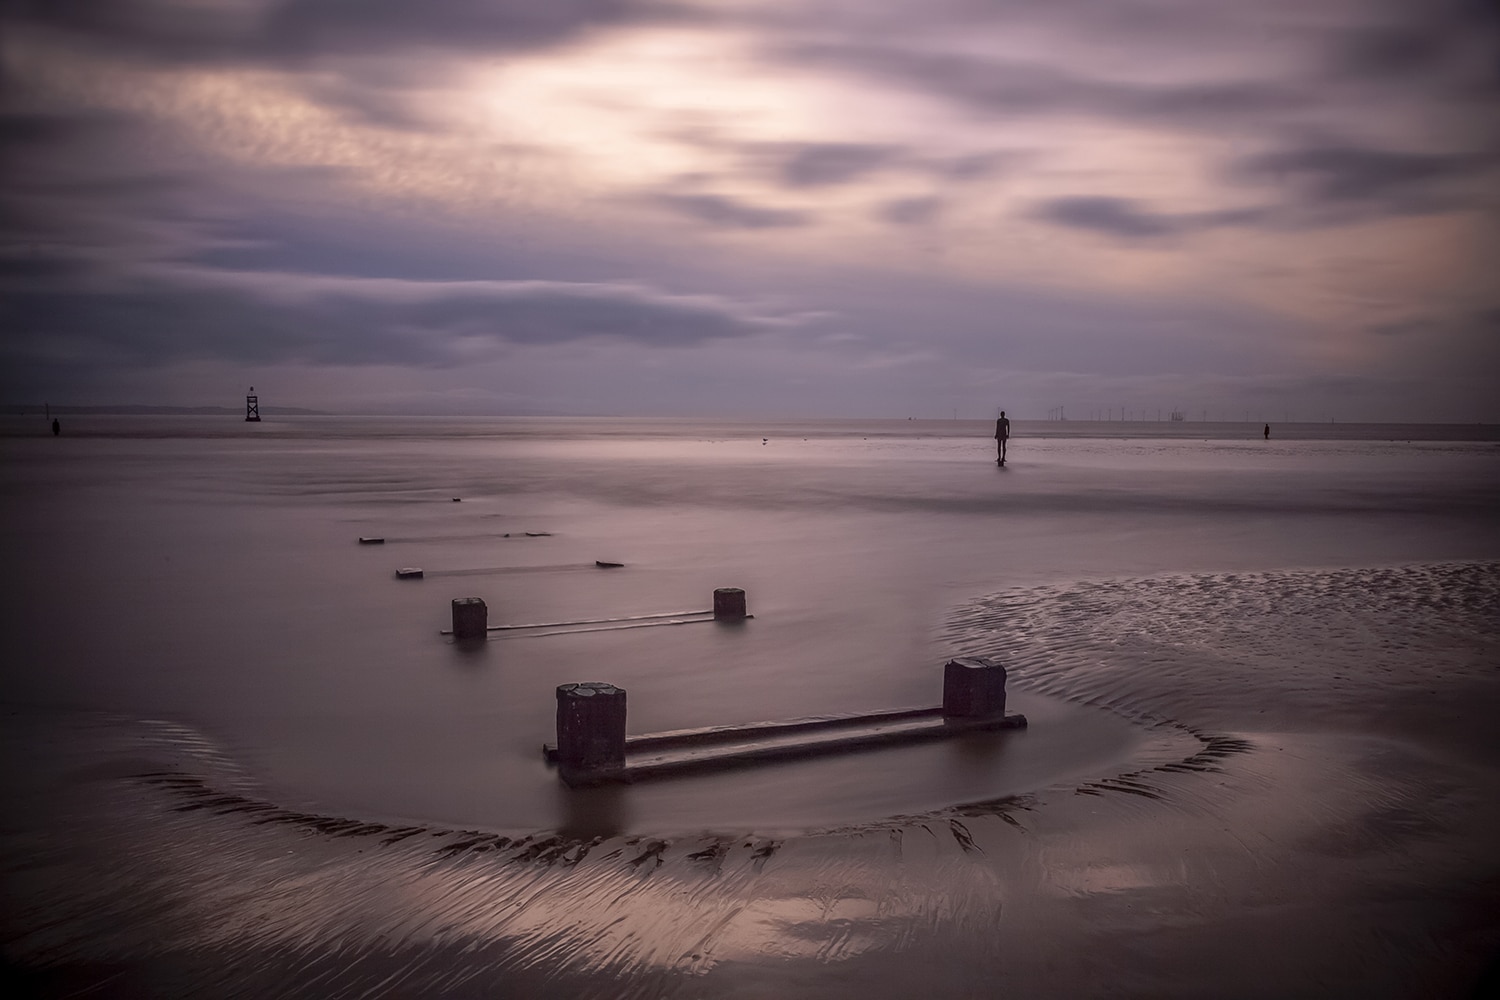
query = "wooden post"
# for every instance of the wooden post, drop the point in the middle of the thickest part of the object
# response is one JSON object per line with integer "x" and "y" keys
{"x": 471, "y": 618}
{"x": 590, "y": 731}
{"x": 973, "y": 688}
{"x": 252, "y": 407}
{"x": 729, "y": 604}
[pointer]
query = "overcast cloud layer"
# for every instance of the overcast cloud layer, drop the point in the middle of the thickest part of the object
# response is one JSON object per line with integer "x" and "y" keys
{"x": 1274, "y": 210}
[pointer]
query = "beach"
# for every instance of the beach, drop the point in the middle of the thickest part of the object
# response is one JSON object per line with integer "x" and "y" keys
{"x": 243, "y": 760}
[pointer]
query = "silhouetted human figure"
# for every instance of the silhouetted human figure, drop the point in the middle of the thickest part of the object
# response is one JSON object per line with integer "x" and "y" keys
{"x": 56, "y": 427}
{"x": 1268, "y": 432}
{"x": 1002, "y": 435}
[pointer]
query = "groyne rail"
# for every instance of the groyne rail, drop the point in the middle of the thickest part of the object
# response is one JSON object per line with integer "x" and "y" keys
{"x": 592, "y": 747}
{"x": 471, "y": 618}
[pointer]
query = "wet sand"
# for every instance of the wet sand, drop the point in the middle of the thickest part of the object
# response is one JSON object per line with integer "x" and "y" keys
{"x": 1240, "y": 782}
{"x": 1285, "y": 827}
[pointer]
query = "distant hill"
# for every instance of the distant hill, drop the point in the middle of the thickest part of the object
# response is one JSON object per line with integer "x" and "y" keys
{"x": 36, "y": 409}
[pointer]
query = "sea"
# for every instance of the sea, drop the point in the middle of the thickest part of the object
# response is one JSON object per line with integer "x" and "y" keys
{"x": 243, "y": 757}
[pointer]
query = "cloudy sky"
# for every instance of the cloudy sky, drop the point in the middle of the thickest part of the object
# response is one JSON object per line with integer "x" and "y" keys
{"x": 884, "y": 208}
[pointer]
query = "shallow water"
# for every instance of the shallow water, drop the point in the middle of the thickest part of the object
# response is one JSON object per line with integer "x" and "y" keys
{"x": 1261, "y": 677}
{"x": 217, "y": 582}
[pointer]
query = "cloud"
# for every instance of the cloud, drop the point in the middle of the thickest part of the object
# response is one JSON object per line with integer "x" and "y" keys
{"x": 911, "y": 211}
{"x": 1112, "y": 216}
{"x": 329, "y": 184}
{"x": 976, "y": 166}
{"x": 1333, "y": 174}
{"x": 825, "y": 163}
{"x": 730, "y": 213}
{"x": 395, "y": 102}
{"x": 299, "y": 31}
{"x": 169, "y": 314}
{"x": 1321, "y": 182}
{"x": 368, "y": 58}
{"x": 799, "y": 166}
{"x": 1124, "y": 219}
{"x": 1001, "y": 86}
{"x": 85, "y": 190}
{"x": 1460, "y": 341}
{"x": 1451, "y": 44}
{"x": 1392, "y": 50}
{"x": 796, "y": 165}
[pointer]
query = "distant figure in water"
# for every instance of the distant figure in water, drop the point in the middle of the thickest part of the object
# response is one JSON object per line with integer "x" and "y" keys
{"x": 56, "y": 427}
{"x": 1002, "y": 435}
{"x": 1268, "y": 432}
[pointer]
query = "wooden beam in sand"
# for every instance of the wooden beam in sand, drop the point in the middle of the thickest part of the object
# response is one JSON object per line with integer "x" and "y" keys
{"x": 973, "y": 701}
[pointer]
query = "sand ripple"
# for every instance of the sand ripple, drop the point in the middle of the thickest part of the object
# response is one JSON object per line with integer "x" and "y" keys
{"x": 1320, "y": 648}
{"x": 1316, "y": 794}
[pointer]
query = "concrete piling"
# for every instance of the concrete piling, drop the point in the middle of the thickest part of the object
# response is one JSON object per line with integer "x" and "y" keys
{"x": 729, "y": 604}
{"x": 973, "y": 688}
{"x": 590, "y": 732}
{"x": 471, "y": 618}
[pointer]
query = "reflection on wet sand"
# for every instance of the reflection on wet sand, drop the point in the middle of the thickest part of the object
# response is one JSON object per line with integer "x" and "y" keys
{"x": 1281, "y": 807}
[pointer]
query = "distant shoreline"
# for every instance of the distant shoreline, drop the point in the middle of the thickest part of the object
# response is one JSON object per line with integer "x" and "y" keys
{"x": 1050, "y": 428}
{"x": 38, "y": 409}
{"x": 294, "y": 422}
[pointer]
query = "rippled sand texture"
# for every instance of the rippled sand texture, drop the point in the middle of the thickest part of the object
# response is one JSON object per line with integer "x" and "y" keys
{"x": 1314, "y": 816}
{"x": 1397, "y": 651}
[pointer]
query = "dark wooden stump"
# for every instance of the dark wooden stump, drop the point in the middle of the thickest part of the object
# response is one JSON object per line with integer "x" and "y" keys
{"x": 729, "y": 604}
{"x": 471, "y": 618}
{"x": 590, "y": 731}
{"x": 973, "y": 688}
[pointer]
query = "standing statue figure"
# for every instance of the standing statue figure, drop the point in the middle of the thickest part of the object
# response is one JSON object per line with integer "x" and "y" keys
{"x": 1268, "y": 432}
{"x": 1002, "y": 435}
{"x": 56, "y": 427}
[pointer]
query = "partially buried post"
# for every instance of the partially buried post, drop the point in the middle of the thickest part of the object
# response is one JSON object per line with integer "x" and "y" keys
{"x": 729, "y": 604}
{"x": 590, "y": 732}
{"x": 471, "y": 618}
{"x": 973, "y": 688}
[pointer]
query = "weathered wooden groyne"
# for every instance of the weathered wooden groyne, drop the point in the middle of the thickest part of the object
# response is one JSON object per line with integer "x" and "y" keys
{"x": 592, "y": 747}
